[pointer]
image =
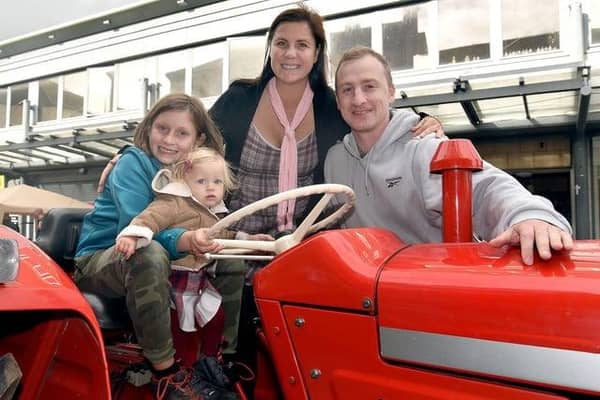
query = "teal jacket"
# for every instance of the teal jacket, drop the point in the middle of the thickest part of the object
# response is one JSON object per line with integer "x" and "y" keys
{"x": 127, "y": 192}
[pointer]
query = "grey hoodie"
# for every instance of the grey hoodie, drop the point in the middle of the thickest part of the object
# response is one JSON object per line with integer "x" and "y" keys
{"x": 395, "y": 190}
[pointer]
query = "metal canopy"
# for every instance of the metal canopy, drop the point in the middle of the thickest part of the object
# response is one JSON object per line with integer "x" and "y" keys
{"x": 469, "y": 99}
{"x": 76, "y": 149}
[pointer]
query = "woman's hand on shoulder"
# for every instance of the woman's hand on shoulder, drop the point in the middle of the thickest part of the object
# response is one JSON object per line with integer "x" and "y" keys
{"x": 427, "y": 126}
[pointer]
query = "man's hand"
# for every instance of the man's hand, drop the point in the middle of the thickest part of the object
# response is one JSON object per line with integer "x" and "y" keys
{"x": 126, "y": 246}
{"x": 106, "y": 172}
{"x": 546, "y": 237}
{"x": 426, "y": 126}
{"x": 261, "y": 236}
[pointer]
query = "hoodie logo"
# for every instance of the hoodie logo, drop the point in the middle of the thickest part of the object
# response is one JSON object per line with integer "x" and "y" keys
{"x": 391, "y": 182}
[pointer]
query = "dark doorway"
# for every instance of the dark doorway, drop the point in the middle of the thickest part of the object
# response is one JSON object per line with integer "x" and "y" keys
{"x": 555, "y": 186}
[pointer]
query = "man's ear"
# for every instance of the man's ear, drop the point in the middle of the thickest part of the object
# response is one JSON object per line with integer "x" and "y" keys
{"x": 392, "y": 92}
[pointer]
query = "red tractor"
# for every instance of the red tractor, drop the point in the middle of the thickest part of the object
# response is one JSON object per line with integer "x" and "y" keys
{"x": 345, "y": 314}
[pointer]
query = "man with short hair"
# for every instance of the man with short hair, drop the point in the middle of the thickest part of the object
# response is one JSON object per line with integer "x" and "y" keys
{"x": 389, "y": 172}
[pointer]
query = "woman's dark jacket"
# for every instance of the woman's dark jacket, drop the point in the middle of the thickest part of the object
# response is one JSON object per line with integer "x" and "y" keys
{"x": 234, "y": 110}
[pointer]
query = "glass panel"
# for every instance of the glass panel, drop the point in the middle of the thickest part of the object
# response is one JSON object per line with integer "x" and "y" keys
{"x": 171, "y": 72}
{"x": 596, "y": 184}
{"x": 18, "y": 93}
{"x": 101, "y": 86}
{"x": 594, "y": 101}
{"x": 3, "y": 96}
{"x": 594, "y": 20}
{"x": 48, "y": 99}
{"x": 207, "y": 70}
{"x": 503, "y": 109}
{"x": 246, "y": 57}
{"x": 129, "y": 82}
{"x": 550, "y": 104}
{"x": 405, "y": 40}
{"x": 464, "y": 30}
{"x": 521, "y": 36}
{"x": 346, "y": 34}
{"x": 74, "y": 86}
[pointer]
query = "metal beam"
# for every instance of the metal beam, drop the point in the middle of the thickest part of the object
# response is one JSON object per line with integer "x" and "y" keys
{"x": 525, "y": 103}
{"x": 45, "y": 151}
{"x": 69, "y": 141}
{"x": 71, "y": 150}
{"x": 582, "y": 163}
{"x": 30, "y": 154}
{"x": 110, "y": 144}
{"x": 492, "y": 93}
{"x": 463, "y": 86}
{"x": 93, "y": 150}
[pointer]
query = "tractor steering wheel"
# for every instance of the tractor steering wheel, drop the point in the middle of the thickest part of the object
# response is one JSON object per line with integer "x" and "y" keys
{"x": 285, "y": 242}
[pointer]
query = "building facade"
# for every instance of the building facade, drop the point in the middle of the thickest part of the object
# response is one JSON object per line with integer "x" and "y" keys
{"x": 517, "y": 77}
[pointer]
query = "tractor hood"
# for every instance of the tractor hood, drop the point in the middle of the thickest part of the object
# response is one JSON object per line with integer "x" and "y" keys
{"x": 479, "y": 310}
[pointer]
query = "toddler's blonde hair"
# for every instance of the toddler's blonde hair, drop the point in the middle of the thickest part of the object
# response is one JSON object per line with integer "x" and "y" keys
{"x": 200, "y": 155}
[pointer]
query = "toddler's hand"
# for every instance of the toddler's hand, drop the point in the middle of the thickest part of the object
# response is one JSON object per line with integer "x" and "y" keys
{"x": 126, "y": 246}
{"x": 201, "y": 243}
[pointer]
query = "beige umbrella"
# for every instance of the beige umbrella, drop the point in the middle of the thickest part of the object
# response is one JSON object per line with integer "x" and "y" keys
{"x": 25, "y": 199}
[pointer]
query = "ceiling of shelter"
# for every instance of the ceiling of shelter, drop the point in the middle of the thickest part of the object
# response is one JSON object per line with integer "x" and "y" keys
{"x": 22, "y": 31}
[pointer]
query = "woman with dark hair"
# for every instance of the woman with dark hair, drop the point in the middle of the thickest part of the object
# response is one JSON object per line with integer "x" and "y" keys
{"x": 279, "y": 126}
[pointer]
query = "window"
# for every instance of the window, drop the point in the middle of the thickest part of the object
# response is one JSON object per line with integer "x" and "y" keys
{"x": 171, "y": 72}
{"x": 464, "y": 30}
{"x": 207, "y": 70}
{"x": 246, "y": 57}
{"x": 18, "y": 93}
{"x": 3, "y": 96}
{"x": 74, "y": 86}
{"x": 130, "y": 82}
{"x": 100, "y": 90}
{"x": 48, "y": 99}
{"x": 346, "y": 34}
{"x": 594, "y": 21}
{"x": 530, "y": 29}
{"x": 405, "y": 40}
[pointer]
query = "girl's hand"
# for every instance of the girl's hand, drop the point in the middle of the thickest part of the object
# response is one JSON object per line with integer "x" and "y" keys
{"x": 427, "y": 126}
{"x": 261, "y": 236}
{"x": 126, "y": 246}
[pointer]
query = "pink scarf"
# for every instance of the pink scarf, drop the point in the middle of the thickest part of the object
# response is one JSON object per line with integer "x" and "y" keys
{"x": 288, "y": 162}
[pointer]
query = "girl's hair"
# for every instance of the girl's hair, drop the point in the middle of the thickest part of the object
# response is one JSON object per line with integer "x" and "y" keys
{"x": 318, "y": 74}
{"x": 200, "y": 155}
{"x": 180, "y": 102}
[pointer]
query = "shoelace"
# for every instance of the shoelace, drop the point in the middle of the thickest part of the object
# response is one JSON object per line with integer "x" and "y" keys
{"x": 166, "y": 381}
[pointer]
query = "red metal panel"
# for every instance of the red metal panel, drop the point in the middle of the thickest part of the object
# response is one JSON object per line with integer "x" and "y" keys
{"x": 78, "y": 368}
{"x": 332, "y": 269}
{"x": 282, "y": 352}
{"x": 339, "y": 358}
{"x": 42, "y": 285}
{"x": 476, "y": 291}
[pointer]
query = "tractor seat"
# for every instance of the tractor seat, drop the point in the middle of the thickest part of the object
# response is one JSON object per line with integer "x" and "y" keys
{"x": 58, "y": 237}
